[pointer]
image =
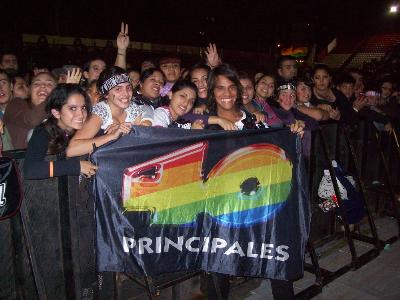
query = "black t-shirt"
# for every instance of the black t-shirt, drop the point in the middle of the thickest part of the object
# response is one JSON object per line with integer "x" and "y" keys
{"x": 347, "y": 114}
{"x": 35, "y": 165}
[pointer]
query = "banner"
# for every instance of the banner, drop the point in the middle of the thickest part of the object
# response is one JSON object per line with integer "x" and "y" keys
{"x": 170, "y": 200}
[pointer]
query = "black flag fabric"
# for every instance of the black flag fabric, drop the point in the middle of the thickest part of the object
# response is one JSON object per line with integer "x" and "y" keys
{"x": 170, "y": 200}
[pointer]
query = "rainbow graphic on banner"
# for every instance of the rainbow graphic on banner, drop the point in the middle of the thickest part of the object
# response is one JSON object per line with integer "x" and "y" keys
{"x": 247, "y": 186}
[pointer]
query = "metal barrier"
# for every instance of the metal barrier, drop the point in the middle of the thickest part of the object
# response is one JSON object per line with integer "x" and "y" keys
{"x": 48, "y": 250}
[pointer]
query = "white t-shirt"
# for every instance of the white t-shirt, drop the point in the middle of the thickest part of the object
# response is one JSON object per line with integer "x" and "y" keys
{"x": 102, "y": 109}
{"x": 162, "y": 117}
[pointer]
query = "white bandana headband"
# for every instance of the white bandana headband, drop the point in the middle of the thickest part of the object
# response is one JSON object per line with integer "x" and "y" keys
{"x": 113, "y": 82}
{"x": 287, "y": 86}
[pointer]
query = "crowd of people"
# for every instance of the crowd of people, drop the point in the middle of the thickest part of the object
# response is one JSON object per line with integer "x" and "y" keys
{"x": 71, "y": 110}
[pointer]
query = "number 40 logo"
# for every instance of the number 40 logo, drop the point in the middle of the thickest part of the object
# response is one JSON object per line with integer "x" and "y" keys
{"x": 2, "y": 193}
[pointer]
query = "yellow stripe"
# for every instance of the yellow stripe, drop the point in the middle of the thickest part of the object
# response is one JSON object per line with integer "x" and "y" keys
{"x": 214, "y": 187}
{"x": 250, "y": 158}
{"x": 171, "y": 177}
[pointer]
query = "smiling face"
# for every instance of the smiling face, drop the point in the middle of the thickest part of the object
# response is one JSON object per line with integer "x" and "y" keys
{"x": 287, "y": 98}
{"x": 199, "y": 78}
{"x": 41, "y": 87}
{"x": 151, "y": 87}
{"x": 182, "y": 102}
{"x": 225, "y": 93}
{"x": 303, "y": 92}
{"x": 73, "y": 113}
{"x": 248, "y": 90}
{"x": 322, "y": 80}
{"x": 5, "y": 90}
{"x": 120, "y": 95}
{"x": 265, "y": 87}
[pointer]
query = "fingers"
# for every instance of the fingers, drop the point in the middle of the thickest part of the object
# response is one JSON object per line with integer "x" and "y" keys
{"x": 125, "y": 128}
{"x": 212, "y": 48}
{"x": 198, "y": 124}
{"x": 87, "y": 168}
{"x": 74, "y": 76}
{"x": 124, "y": 29}
{"x": 227, "y": 125}
{"x": 138, "y": 120}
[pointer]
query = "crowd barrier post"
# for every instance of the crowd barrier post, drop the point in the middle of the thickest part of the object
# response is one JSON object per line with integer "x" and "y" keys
{"x": 37, "y": 278}
{"x": 342, "y": 213}
{"x": 324, "y": 276}
{"x": 357, "y": 174}
{"x": 389, "y": 185}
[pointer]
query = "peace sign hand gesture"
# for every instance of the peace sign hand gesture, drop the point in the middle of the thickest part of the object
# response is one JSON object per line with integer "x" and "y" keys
{"x": 123, "y": 38}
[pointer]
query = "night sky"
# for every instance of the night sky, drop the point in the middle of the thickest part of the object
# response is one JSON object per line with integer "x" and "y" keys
{"x": 235, "y": 24}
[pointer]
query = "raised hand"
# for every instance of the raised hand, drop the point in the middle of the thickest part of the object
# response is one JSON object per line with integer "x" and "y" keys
{"x": 123, "y": 38}
{"x": 213, "y": 59}
{"x": 74, "y": 76}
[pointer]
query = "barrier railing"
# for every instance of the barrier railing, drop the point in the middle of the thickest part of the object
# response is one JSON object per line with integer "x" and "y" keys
{"x": 48, "y": 250}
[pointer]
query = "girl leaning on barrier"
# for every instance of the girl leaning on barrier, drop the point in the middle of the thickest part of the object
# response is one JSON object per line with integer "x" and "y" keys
{"x": 67, "y": 108}
{"x": 113, "y": 116}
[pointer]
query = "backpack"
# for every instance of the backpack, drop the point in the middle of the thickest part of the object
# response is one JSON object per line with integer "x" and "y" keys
{"x": 10, "y": 188}
{"x": 351, "y": 197}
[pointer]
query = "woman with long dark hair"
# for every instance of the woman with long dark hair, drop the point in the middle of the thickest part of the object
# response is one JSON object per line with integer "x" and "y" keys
{"x": 67, "y": 109}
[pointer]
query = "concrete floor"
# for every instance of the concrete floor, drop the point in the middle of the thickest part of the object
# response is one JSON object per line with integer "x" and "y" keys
{"x": 378, "y": 279}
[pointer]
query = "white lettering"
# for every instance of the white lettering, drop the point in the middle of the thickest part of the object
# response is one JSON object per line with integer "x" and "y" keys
{"x": 177, "y": 245}
{"x": 189, "y": 246}
{"x": 128, "y": 243}
{"x": 250, "y": 247}
{"x": 145, "y": 243}
{"x": 235, "y": 248}
{"x": 206, "y": 244}
{"x": 3, "y": 199}
{"x": 158, "y": 244}
{"x": 217, "y": 243}
{"x": 266, "y": 250}
{"x": 281, "y": 250}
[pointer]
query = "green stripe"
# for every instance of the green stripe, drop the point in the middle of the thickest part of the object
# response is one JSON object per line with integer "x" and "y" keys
{"x": 223, "y": 204}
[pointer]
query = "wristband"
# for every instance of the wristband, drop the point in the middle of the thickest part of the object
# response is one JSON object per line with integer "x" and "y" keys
{"x": 51, "y": 169}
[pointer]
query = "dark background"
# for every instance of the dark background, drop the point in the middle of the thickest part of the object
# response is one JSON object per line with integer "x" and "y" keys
{"x": 235, "y": 24}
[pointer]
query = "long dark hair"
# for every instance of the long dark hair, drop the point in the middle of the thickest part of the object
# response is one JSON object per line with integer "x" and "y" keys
{"x": 56, "y": 100}
{"x": 230, "y": 73}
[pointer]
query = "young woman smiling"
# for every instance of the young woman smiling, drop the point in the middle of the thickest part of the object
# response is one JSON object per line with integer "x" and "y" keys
{"x": 67, "y": 108}
{"x": 113, "y": 116}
